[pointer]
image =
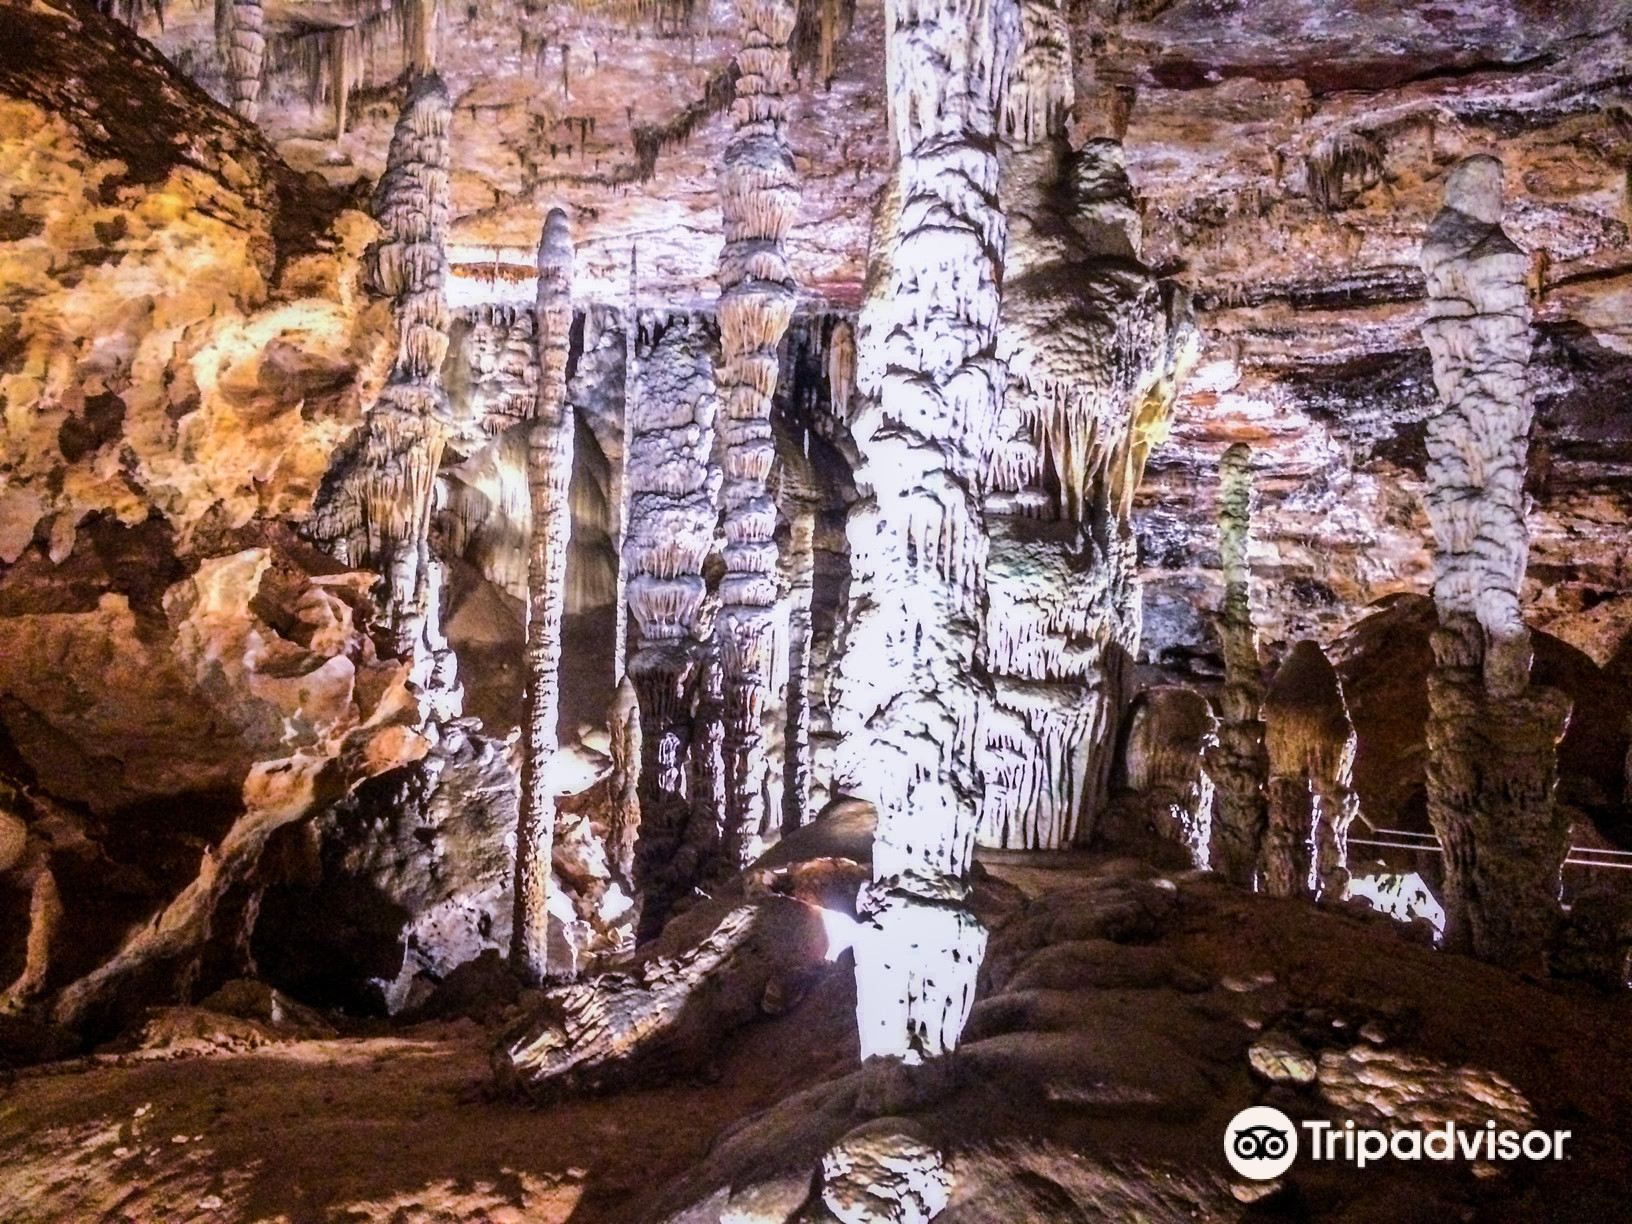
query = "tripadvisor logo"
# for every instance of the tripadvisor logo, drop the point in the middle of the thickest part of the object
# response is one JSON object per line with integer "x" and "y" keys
{"x": 1261, "y": 1143}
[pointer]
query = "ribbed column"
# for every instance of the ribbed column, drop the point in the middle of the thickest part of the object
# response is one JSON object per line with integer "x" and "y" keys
{"x": 549, "y": 471}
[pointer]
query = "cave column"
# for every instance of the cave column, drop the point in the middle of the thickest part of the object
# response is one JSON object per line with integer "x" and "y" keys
{"x": 801, "y": 590}
{"x": 758, "y": 198}
{"x": 549, "y": 471}
{"x": 1492, "y": 733}
{"x": 673, "y": 510}
{"x": 1238, "y": 763}
{"x": 246, "y": 56}
{"x": 908, "y": 699}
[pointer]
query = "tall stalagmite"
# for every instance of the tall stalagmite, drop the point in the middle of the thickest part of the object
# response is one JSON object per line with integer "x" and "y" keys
{"x": 1309, "y": 740}
{"x": 377, "y": 514}
{"x": 1492, "y": 735}
{"x": 673, "y": 490}
{"x": 758, "y": 198}
{"x": 1094, "y": 349}
{"x": 907, "y": 699}
{"x": 549, "y": 470}
{"x": 1238, "y": 763}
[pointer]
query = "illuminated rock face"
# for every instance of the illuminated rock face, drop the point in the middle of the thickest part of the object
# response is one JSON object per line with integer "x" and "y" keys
{"x": 1237, "y": 763}
{"x": 1492, "y": 734}
{"x": 549, "y": 470}
{"x": 906, "y": 700}
{"x": 758, "y": 199}
{"x": 1309, "y": 742}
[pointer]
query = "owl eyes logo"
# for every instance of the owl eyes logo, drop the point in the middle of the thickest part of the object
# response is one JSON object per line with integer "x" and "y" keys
{"x": 1260, "y": 1143}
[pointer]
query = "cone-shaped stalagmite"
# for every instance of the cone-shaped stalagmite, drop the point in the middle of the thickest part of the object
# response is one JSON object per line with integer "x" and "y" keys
{"x": 1093, "y": 349}
{"x": 549, "y": 469}
{"x": 757, "y": 202}
{"x": 377, "y": 514}
{"x": 1237, "y": 764}
{"x": 1169, "y": 731}
{"x": 1492, "y": 735}
{"x": 1309, "y": 741}
{"x": 905, "y": 700}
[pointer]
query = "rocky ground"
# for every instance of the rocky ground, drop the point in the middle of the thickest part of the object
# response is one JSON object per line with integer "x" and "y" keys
{"x": 1124, "y": 1017}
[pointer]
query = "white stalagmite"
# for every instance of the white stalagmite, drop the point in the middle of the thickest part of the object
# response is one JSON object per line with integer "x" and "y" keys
{"x": 1492, "y": 735}
{"x": 1094, "y": 350}
{"x": 549, "y": 471}
{"x": 377, "y": 515}
{"x": 1238, "y": 764}
{"x": 801, "y": 588}
{"x": 758, "y": 198}
{"x": 1309, "y": 741}
{"x": 906, "y": 697}
{"x": 672, "y": 489}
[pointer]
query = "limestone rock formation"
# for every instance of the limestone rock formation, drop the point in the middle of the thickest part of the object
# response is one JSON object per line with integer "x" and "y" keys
{"x": 1170, "y": 731}
{"x": 906, "y": 705}
{"x": 1310, "y": 743}
{"x": 757, "y": 203}
{"x": 1492, "y": 734}
{"x": 549, "y": 470}
{"x": 1238, "y": 763}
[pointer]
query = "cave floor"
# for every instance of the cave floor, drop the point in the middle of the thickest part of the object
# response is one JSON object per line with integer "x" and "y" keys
{"x": 398, "y": 1124}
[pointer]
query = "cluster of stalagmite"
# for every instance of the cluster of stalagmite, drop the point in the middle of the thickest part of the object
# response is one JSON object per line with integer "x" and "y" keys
{"x": 1237, "y": 764}
{"x": 1093, "y": 349}
{"x": 1309, "y": 742}
{"x": 906, "y": 697}
{"x": 378, "y": 514}
{"x": 549, "y": 470}
{"x": 672, "y": 491}
{"x": 758, "y": 198}
{"x": 1492, "y": 734}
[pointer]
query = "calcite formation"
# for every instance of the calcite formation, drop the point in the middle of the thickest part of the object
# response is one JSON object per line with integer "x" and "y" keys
{"x": 1238, "y": 764}
{"x": 377, "y": 513}
{"x": 673, "y": 487}
{"x": 1170, "y": 730}
{"x": 245, "y": 44}
{"x": 1094, "y": 348}
{"x": 1309, "y": 743}
{"x": 906, "y": 707}
{"x": 1492, "y": 734}
{"x": 549, "y": 469}
{"x": 758, "y": 199}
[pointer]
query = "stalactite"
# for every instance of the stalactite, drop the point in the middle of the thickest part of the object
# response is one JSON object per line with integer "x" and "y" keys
{"x": 247, "y": 55}
{"x": 623, "y": 832}
{"x": 1238, "y": 764}
{"x": 758, "y": 198}
{"x": 620, "y": 475}
{"x": 341, "y": 42}
{"x": 906, "y": 696}
{"x": 376, "y": 511}
{"x": 1492, "y": 734}
{"x": 1093, "y": 349}
{"x": 549, "y": 469}
{"x": 672, "y": 517}
{"x": 1169, "y": 732}
{"x": 421, "y": 36}
{"x": 1309, "y": 742}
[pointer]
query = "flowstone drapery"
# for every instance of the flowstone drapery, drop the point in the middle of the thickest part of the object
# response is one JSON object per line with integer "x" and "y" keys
{"x": 549, "y": 470}
{"x": 1238, "y": 764}
{"x": 906, "y": 698}
{"x": 376, "y": 514}
{"x": 757, "y": 202}
{"x": 1309, "y": 741}
{"x": 1094, "y": 349}
{"x": 1492, "y": 734}
{"x": 673, "y": 490}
